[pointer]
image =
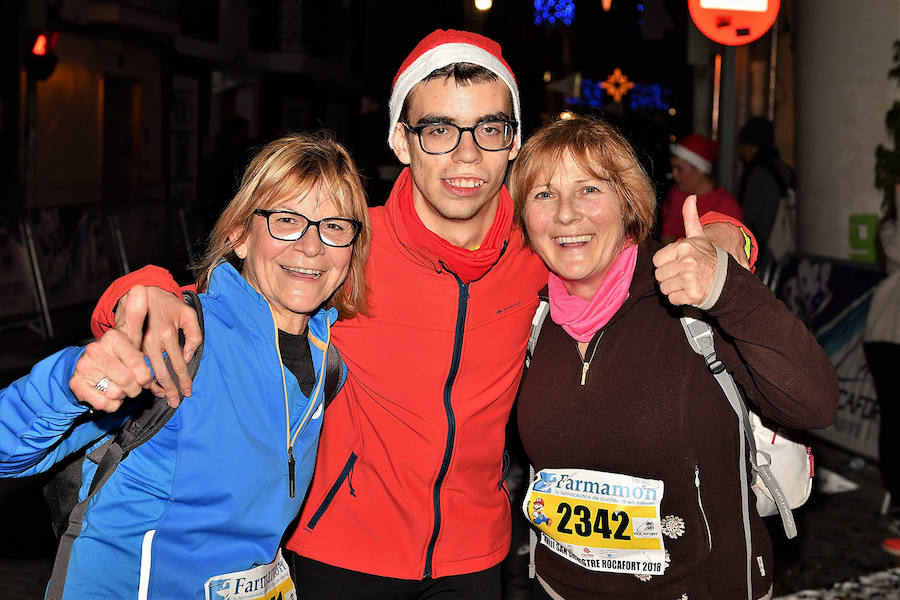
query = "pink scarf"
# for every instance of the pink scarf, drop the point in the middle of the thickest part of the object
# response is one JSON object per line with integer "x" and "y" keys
{"x": 581, "y": 318}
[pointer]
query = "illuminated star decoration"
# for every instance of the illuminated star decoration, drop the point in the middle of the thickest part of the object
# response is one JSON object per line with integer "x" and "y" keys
{"x": 617, "y": 85}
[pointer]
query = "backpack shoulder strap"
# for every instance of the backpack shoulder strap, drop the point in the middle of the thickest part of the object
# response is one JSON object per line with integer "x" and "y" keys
{"x": 700, "y": 337}
{"x": 334, "y": 367}
{"x": 153, "y": 414}
{"x": 148, "y": 418}
{"x": 537, "y": 322}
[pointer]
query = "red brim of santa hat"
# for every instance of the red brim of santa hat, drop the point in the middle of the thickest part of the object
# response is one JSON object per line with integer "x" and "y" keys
{"x": 446, "y": 47}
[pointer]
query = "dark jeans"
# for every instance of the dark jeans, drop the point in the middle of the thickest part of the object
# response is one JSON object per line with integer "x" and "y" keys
{"x": 318, "y": 581}
{"x": 883, "y": 359}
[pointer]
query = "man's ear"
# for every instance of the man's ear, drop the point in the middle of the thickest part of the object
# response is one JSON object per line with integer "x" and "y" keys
{"x": 514, "y": 149}
{"x": 400, "y": 142}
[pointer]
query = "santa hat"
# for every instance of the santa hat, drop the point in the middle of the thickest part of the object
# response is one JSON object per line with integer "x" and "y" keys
{"x": 697, "y": 150}
{"x": 445, "y": 47}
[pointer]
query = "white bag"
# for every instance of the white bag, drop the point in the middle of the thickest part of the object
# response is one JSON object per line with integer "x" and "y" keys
{"x": 791, "y": 463}
{"x": 783, "y": 237}
{"x": 783, "y": 467}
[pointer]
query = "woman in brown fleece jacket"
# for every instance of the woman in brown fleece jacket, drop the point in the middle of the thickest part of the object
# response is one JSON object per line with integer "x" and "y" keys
{"x": 636, "y": 447}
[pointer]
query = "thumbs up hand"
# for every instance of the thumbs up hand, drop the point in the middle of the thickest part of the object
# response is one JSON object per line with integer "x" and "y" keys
{"x": 692, "y": 226}
{"x": 113, "y": 366}
{"x": 686, "y": 270}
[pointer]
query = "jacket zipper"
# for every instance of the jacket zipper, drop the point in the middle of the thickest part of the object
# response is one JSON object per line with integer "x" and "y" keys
{"x": 345, "y": 475}
{"x": 586, "y": 364}
{"x": 501, "y": 485}
{"x": 290, "y": 440}
{"x": 700, "y": 504}
{"x": 451, "y": 419}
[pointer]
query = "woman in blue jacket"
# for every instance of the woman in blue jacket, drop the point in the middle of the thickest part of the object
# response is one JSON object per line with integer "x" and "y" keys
{"x": 199, "y": 510}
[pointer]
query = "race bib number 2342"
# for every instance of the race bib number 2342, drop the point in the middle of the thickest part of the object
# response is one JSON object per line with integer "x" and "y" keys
{"x": 601, "y": 521}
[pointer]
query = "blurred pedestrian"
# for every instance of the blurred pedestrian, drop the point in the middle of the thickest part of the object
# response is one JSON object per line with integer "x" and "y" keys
{"x": 881, "y": 343}
{"x": 766, "y": 179}
{"x": 692, "y": 161}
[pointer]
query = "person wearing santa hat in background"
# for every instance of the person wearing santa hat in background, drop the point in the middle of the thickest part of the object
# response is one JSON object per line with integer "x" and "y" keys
{"x": 692, "y": 160}
{"x": 408, "y": 498}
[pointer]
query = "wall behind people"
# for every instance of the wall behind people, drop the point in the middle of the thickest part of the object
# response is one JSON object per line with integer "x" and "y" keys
{"x": 843, "y": 55}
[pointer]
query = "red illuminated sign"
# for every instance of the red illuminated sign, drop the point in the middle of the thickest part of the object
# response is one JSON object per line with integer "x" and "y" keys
{"x": 41, "y": 61}
{"x": 40, "y": 45}
{"x": 44, "y": 42}
{"x": 733, "y": 22}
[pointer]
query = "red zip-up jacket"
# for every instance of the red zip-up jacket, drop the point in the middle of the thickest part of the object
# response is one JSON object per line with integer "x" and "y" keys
{"x": 409, "y": 478}
{"x": 409, "y": 481}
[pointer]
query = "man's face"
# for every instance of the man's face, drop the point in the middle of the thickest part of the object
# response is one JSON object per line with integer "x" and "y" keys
{"x": 687, "y": 177}
{"x": 461, "y": 185}
{"x": 747, "y": 152}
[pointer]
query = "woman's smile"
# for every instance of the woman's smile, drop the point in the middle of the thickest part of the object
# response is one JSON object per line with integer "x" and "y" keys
{"x": 573, "y": 240}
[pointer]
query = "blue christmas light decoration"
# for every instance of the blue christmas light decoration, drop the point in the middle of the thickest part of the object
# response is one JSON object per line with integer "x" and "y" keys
{"x": 650, "y": 96}
{"x": 643, "y": 96}
{"x": 554, "y": 12}
{"x": 591, "y": 94}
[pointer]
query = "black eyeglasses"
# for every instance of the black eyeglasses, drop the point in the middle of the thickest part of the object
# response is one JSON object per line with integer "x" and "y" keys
{"x": 289, "y": 226}
{"x": 441, "y": 138}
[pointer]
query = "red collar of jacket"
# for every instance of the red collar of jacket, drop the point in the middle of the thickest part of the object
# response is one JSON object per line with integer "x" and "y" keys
{"x": 438, "y": 253}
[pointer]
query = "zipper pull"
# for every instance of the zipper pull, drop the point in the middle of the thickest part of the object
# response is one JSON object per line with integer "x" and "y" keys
{"x": 584, "y": 369}
{"x": 291, "y": 463}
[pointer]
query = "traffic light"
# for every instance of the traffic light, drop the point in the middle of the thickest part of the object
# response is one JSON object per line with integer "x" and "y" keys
{"x": 40, "y": 59}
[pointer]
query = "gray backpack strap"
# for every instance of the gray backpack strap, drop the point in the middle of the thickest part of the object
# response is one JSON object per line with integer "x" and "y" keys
{"x": 537, "y": 322}
{"x": 699, "y": 335}
{"x": 57, "y": 583}
{"x": 143, "y": 424}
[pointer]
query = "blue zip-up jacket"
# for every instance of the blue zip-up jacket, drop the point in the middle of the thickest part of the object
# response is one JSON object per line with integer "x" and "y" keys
{"x": 207, "y": 495}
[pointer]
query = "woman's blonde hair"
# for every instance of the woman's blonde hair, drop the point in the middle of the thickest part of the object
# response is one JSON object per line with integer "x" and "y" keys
{"x": 600, "y": 150}
{"x": 287, "y": 168}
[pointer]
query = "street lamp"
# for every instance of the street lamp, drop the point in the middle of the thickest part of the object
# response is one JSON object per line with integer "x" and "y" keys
{"x": 484, "y": 4}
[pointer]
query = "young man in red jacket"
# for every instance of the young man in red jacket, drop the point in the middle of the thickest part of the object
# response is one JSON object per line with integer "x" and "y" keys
{"x": 408, "y": 498}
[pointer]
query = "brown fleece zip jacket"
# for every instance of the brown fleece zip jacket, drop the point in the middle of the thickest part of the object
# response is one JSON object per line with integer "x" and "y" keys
{"x": 651, "y": 408}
